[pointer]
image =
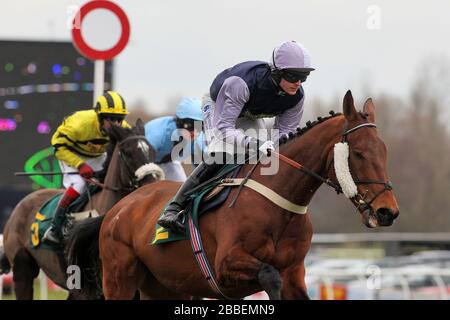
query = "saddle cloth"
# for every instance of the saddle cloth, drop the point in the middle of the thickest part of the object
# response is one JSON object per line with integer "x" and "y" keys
{"x": 44, "y": 216}
{"x": 202, "y": 201}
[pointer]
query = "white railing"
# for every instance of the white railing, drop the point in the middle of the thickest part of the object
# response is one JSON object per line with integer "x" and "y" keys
{"x": 328, "y": 278}
{"x": 422, "y": 237}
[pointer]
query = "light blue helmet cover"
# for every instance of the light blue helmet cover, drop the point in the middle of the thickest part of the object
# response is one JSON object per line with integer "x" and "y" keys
{"x": 189, "y": 108}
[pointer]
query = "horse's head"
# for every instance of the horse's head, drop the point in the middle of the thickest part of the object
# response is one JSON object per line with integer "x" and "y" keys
{"x": 360, "y": 166}
{"x": 134, "y": 155}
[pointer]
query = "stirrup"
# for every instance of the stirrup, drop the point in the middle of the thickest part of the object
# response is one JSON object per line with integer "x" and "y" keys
{"x": 50, "y": 236}
{"x": 175, "y": 225}
{"x": 178, "y": 224}
{"x": 183, "y": 214}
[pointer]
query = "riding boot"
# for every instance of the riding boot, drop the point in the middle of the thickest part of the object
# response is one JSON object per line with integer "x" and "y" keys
{"x": 173, "y": 216}
{"x": 53, "y": 234}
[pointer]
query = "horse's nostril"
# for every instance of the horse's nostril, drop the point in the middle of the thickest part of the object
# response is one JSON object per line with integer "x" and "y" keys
{"x": 385, "y": 213}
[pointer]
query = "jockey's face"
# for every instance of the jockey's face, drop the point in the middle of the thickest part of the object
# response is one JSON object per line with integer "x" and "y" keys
{"x": 106, "y": 122}
{"x": 113, "y": 120}
{"x": 290, "y": 88}
{"x": 190, "y": 134}
{"x": 190, "y": 127}
{"x": 194, "y": 134}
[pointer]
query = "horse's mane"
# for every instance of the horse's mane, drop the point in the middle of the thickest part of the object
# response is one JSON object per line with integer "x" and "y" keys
{"x": 309, "y": 125}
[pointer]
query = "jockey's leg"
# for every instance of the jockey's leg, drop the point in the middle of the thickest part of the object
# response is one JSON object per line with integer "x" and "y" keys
{"x": 75, "y": 186}
{"x": 172, "y": 216}
{"x": 53, "y": 234}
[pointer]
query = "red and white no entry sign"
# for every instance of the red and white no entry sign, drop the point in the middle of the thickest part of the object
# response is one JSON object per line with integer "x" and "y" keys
{"x": 81, "y": 44}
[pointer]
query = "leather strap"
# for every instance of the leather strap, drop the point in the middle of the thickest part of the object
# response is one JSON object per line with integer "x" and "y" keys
{"x": 266, "y": 192}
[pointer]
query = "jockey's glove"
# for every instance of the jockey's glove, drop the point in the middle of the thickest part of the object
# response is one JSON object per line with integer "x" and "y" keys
{"x": 267, "y": 147}
{"x": 86, "y": 171}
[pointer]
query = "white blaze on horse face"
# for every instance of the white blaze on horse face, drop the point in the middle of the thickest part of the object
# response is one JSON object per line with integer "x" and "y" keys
{"x": 143, "y": 147}
{"x": 342, "y": 170}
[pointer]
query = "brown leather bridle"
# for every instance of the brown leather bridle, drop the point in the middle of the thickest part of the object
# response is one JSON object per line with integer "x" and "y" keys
{"x": 360, "y": 199}
{"x": 134, "y": 183}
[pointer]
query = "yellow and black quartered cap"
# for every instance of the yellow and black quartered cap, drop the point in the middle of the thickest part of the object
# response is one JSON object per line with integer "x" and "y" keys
{"x": 111, "y": 103}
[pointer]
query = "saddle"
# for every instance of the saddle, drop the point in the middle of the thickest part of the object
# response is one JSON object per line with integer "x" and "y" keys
{"x": 207, "y": 197}
{"x": 46, "y": 213}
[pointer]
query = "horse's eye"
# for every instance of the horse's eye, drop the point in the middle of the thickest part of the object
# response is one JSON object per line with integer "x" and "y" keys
{"x": 127, "y": 153}
{"x": 359, "y": 154}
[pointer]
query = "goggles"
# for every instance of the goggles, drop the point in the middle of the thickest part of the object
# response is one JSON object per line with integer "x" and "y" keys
{"x": 188, "y": 124}
{"x": 294, "y": 76}
{"x": 113, "y": 119}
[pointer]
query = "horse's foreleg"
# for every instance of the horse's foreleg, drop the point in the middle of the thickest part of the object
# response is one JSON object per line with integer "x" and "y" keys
{"x": 25, "y": 270}
{"x": 151, "y": 289}
{"x": 120, "y": 271}
{"x": 294, "y": 286}
{"x": 270, "y": 281}
{"x": 238, "y": 267}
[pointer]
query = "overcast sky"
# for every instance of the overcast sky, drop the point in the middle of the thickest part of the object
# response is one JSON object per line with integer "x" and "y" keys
{"x": 177, "y": 47}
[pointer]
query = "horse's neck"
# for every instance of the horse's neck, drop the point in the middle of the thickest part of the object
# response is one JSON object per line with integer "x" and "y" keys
{"x": 311, "y": 150}
{"x": 105, "y": 200}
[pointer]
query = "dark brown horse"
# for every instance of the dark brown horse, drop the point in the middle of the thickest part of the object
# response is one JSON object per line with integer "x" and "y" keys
{"x": 131, "y": 152}
{"x": 254, "y": 245}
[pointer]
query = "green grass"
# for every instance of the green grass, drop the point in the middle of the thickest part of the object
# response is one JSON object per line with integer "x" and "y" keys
{"x": 52, "y": 294}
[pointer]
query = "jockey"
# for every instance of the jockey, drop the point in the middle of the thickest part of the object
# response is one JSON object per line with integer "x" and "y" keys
{"x": 237, "y": 99}
{"x": 164, "y": 134}
{"x": 80, "y": 144}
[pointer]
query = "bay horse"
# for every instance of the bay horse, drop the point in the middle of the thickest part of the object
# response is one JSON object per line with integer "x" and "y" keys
{"x": 129, "y": 165}
{"x": 254, "y": 245}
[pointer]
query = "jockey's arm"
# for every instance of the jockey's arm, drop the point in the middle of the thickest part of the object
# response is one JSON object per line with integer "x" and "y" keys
{"x": 65, "y": 154}
{"x": 62, "y": 140}
{"x": 289, "y": 120}
{"x": 229, "y": 103}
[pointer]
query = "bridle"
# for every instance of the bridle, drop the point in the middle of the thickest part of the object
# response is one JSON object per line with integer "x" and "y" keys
{"x": 359, "y": 199}
{"x": 133, "y": 180}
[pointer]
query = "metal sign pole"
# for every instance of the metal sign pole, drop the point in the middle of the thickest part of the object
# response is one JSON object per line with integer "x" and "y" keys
{"x": 99, "y": 79}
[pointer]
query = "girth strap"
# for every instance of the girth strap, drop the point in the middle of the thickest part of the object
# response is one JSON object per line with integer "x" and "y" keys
{"x": 266, "y": 192}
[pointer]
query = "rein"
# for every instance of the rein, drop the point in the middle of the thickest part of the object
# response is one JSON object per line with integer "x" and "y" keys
{"x": 300, "y": 167}
{"x": 102, "y": 185}
{"x": 361, "y": 202}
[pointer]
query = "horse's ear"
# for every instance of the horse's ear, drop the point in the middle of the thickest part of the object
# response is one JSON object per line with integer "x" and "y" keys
{"x": 369, "y": 108}
{"x": 140, "y": 127}
{"x": 349, "y": 107}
